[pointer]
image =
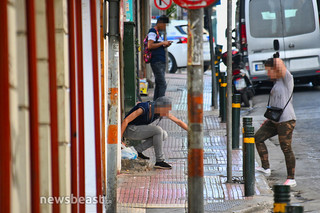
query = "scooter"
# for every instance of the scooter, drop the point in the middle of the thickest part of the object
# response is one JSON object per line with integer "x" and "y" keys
{"x": 240, "y": 80}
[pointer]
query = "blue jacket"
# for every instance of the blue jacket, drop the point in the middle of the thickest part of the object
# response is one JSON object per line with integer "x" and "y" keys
{"x": 144, "y": 118}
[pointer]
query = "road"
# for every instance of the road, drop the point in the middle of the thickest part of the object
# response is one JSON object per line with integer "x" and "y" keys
{"x": 306, "y": 145}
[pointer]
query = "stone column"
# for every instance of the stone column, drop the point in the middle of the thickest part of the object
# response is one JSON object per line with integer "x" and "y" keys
{"x": 61, "y": 25}
{"x": 43, "y": 104}
{"x": 16, "y": 148}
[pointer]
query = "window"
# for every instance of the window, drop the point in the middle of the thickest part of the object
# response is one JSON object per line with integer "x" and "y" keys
{"x": 299, "y": 17}
{"x": 265, "y": 18}
{"x": 278, "y": 18}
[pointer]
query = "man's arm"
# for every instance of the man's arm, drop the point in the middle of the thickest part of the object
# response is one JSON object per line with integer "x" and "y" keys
{"x": 130, "y": 118}
{"x": 178, "y": 121}
{"x": 152, "y": 45}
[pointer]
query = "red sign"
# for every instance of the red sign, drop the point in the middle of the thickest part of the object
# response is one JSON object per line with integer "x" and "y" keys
{"x": 163, "y": 4}
{"x": 194, "y": 4}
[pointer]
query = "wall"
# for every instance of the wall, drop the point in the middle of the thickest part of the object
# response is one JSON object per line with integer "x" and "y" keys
{"x": 222, "y": 25}
{"x": 90, "y": 166}
{"x": 63, "y": 93}
{"x": 17, "y": 152}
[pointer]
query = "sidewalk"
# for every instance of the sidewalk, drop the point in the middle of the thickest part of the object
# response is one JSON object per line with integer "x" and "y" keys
{"x": 166, "y": 190}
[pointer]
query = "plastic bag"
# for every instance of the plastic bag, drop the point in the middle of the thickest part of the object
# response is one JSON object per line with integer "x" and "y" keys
{"x": 128, "y": 153}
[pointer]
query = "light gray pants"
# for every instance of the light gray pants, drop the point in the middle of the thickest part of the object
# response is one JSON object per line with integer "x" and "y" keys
{"x": 153, "y": 136}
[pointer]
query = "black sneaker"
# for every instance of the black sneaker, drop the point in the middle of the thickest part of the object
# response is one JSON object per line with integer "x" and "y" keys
{"x": 142, "y": 156}
{"x": 162, "y": 165}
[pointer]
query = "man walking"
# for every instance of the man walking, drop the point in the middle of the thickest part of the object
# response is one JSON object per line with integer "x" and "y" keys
{"x": 158, "y": 59}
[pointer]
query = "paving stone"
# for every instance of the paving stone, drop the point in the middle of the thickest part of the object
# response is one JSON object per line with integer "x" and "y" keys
{"x": 163, "y": 189}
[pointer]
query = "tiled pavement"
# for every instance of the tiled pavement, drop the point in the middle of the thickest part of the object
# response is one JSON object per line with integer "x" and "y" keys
{"x": 166, "y": 190}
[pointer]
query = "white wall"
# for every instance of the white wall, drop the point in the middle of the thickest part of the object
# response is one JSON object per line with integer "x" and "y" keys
{"x": 222, "y": 25}
{"x": 90, "y": 166}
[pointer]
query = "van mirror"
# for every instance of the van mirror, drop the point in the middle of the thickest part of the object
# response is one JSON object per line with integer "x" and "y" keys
{"x": 276, "y": 45}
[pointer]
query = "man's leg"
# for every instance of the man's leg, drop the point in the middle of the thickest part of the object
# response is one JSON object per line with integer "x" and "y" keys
{"x": 285, "y": 130}
{"x": 158, "y": 69}
{"x": 154, "y": 135}
{"x": 267, "y": 130}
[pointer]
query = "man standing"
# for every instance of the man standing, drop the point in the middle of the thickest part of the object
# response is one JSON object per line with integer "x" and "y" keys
{"x": 158, "y": 59}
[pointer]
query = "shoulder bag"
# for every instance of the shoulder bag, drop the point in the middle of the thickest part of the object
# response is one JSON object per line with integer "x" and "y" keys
{"x": 274, "y": 113}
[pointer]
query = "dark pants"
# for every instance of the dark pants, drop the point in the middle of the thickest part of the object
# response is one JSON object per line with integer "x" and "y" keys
{"x": 159, "y": 69}
{"x": 284, "y": 131}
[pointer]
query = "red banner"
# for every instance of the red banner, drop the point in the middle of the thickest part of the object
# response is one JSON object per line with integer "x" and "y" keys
{"x": 194, "y": 4}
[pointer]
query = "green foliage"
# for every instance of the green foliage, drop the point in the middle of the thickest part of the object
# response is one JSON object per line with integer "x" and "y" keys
{"x": 171, "y": 12}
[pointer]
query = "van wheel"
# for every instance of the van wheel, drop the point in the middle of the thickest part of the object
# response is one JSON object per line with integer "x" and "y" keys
{"x": 172, "y": 64}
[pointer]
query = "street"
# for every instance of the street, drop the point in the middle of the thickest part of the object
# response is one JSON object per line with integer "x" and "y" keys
{"x": 306, "y": 101}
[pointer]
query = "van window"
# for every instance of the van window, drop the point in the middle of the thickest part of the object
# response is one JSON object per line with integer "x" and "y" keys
{"x": 276, "y": 18}
{"x": 299, "y": 17}
{"x": 265, "y": 20}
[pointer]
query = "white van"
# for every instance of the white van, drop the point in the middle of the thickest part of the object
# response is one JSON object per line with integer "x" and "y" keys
{"x": 294, "y": 24}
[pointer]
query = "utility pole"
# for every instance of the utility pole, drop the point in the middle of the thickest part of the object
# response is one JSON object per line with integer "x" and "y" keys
{"x": 229, "y": 92}
{"x": 166, "y": 49}
{"x": 214, "y": 93}
{"x": 113, "y": 101}
{"x": 195, "y": 111}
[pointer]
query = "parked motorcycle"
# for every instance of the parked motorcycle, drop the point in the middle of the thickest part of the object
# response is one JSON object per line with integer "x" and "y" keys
{"x": 240, "y": 80}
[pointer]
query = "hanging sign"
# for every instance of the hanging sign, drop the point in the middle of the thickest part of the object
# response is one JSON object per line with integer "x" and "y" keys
{"x": 194, "y": 4}
{"x": 128, "y": 7}
{"x": 163, "y": 4}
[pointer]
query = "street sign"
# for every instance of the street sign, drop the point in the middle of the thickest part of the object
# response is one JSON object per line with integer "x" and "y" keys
{"x": 163, "y": 4}
{"x": 194, "y": 4}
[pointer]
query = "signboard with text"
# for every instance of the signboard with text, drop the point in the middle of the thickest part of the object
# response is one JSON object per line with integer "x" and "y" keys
{"x": 128, "y": 10}
{"x": 194, "y": 4}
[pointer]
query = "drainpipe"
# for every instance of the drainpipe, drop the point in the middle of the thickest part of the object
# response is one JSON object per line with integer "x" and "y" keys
{"x": 103, "y": 97}
{"x": 73, "y": 105}
{"x": 33, "y": 99}
{"x": 113, "y": 109}
{"x": 5, "y": 151}
{"x": 96, "y": 97}
{"x": 53, "y": 103}
{"x": 195, "y": 111}
{"x": 80, "y": 104}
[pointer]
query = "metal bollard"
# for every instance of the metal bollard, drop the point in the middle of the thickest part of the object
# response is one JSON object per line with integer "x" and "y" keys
{"x": 223, "y": 98}
{"x": 248, "y": 166}
{"x": 246, "y": 121}
{"x": 236, "y": 99}
{"x": 218, "y": 77}
{"x": 294, "y": 209}
{"x": 220, "y": 93}
{"x": 281, "y": 198}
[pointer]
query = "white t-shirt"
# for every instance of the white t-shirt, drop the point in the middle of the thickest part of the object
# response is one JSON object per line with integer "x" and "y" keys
{"x": 153, "y": 36}
{"x": 280, "y": 94}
